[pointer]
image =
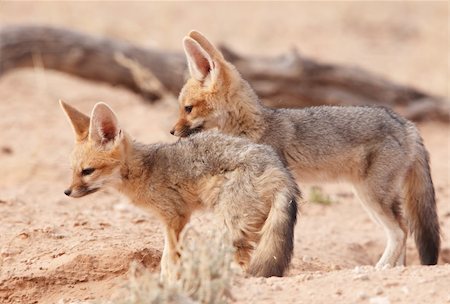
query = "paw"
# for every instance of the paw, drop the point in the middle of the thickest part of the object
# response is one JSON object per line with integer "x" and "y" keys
{"x": 400, "y": 264}
{"x": 383, "y": 266}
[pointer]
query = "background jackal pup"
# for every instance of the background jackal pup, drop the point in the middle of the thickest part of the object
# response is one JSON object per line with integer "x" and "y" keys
{"x": 380, "y": 153}
{"x": 244, "y": 183}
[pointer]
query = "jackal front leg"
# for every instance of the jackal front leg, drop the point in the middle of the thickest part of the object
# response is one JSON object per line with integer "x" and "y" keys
{"x": 170, "y": 254}
{"x": 169, "y": 257}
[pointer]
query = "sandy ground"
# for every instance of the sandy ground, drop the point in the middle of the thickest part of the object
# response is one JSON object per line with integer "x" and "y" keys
{"x": 55, "y": 249}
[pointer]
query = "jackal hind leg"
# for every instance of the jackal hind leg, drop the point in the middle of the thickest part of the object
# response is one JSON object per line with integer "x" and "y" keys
{"x": 239, "y": 212}
{"x": 240, "y": 237}
{"x": 384, "y": 207}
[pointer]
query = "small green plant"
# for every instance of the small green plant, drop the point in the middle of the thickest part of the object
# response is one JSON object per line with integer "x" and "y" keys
{"x": 316, "y": 195}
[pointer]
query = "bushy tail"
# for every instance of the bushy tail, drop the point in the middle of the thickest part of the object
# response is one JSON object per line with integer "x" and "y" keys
{"x": 273, "y": 253}
{"x": 421, "y": 208}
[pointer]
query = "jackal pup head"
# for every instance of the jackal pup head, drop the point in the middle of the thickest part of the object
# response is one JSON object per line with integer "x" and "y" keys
{"x": 203, "y": 99}
{"x": 98, "y": 152}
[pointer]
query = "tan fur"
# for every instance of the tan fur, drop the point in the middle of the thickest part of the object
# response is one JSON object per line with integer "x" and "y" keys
{"x": 244, "y": 183}
{"x": 374, "y": 149}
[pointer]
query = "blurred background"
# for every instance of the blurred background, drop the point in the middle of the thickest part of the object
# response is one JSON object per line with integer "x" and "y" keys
{"x": 404, "y": 40}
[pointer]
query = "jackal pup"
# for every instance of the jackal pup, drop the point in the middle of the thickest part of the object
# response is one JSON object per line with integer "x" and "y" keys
{"x": 379, "y": 152}
{"x": 244, "y": 183}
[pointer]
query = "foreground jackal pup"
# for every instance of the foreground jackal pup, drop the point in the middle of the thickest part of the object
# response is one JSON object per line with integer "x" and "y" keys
{"x": 377, "y": 151}
{"x": 244, "y": 183}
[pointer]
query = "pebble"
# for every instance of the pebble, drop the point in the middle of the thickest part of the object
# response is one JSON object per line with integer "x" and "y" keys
{"x": 306, "y": 259}
{"x": 379, "y": 290}
{"x": 24, "y": 235}
{"x": 309, "y": 277}
{"x": 7, "y": 150}
{"x": 122, "y": 207}
{"x": 390, "y": 284}
{"x": 139, "y": 220}
{"x": 277, "y": 287}
{"x": 336, "y": 267}
{"x": 362, "y": 277}
{"x": 58, "y": 236}
{"x": 362, "y": 295}
{"x": 405, "y": 290}
{"x": 379, "y": 300}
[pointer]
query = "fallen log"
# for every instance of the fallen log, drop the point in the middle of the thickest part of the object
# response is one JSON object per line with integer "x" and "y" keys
{"x": 290, "y": 80}
{"x": 87, "y": 56}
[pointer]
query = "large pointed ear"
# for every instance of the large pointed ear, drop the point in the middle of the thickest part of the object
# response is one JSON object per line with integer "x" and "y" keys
{"x": 206, "y": 45}
{"x": 79, "y": 121}
{"x": 104, "y": 129}
{"x": 201, "y": 65}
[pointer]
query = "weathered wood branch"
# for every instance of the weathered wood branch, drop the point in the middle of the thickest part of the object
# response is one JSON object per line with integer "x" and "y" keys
{"x": 291, "y": 80}
{"x": 86, "y": 56}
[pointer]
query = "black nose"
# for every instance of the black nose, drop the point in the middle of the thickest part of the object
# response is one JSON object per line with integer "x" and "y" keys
{"x": 67, "y": 192}
{"x": 172, "y": 131}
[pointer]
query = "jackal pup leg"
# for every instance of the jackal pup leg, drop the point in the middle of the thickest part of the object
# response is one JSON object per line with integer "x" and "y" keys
{"x": 384, "y": 207}
{"x": 261, "y": 213}
{"x": 170, "y": 254}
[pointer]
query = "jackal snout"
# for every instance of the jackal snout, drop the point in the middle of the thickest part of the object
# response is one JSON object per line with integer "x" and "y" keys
{"x": 184, "y": 129}
{"x": 80, "y": 191}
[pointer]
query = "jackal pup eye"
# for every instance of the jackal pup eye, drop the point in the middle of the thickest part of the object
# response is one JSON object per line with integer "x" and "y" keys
{"x": 87, "y": 171}
{"x": 188, "y": 109}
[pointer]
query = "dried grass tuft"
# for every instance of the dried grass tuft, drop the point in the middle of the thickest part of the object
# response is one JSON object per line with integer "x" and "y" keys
{"x": 204, "y": 273}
